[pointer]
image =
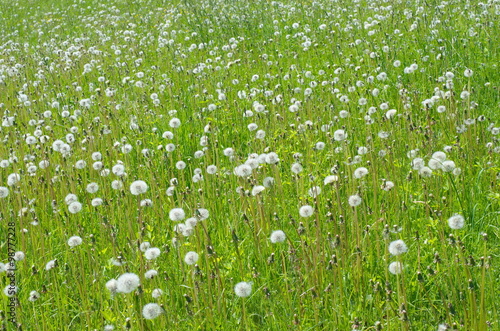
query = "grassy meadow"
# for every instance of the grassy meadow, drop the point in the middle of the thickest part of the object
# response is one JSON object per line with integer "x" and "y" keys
{"x": 250, "y": 165}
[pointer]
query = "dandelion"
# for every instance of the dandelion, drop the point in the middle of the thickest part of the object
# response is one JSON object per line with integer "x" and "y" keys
{"x": 339, "y": 135}
{"x": 456, "y": 222}
{"x": 395, "y": 267}
{"x": 151, "y": 311}
{"x": 425, "y": 172}
{"x": 34, "y": 295}
{"x": 175, "y": 123}
{"x": 157, "y": 293}
{"x": 277, "y": 236}
{"x": 243, "y": 170}
{"x": 202, "y": 214}
{"x": 331, "y": 179}
{"x": 138, "y": 187}
{"x": 74, "y": 241}
{"x": 354, "y": 200}
{"x": 177, "y": 214}
{"x": 75, "y": 207}
{"x": 314, "y": 191}
{"x": 191, "y": 258}
{"x": 4, "y": 192}
{"x": 257, "y": 190}
{"x": 13, "y": 179}
{"x": 306, "y": 211}
{"x": 152, "y": 253}
{"x": 112, "y": 286}
{"x": 360, "y": 172}
{"x": 10, "y": 290}
{"x": 448, "y": 166}
{"x": 268, "y": 182}
{"x": 297, "y": 168}
{"x": 92, "y": 187}
{"x": 51, "y": 265}
{"x": 150, "y": 274}
{"x": 127, "y": 283}
{"x": 387, "y": 186}
{"x": 397, "y": 247}
{"x": 243, "y": 289}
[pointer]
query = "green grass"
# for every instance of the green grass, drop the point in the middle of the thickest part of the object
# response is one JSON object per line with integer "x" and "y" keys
{"x": 332, "y": 271}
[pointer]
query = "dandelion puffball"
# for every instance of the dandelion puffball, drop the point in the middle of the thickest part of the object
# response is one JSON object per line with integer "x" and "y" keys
{"x": 74, "y": 241}
{"x": 243, "y": 289}
{"x": 138, "y": 187}
{"x": 395, "y": 267}
{"x": 278, "y": 236}
{"x": 127, "y": 283}
{"x": 151, "y": 311}
{"x": 456, "y": 222}
{"x": 177, "y": 214}
{"x": 398, "y": 247}
{"x": 191, "y": 258}
{"x": 306, "y": 211}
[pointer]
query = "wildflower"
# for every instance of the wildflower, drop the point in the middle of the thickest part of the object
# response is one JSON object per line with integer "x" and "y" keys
{"x": 92, "y": 187}
{"x": 354, "y": 200}
{"x": 456, "y": 222}
{"x": 13, "y": 179}
{"x": 211, "y": 169}
{"x": 397, "y": 247}
{"x": 151, "y": 311}
{"x": 243, "y": 289}
{"x": 314, "y": 191}
{"x": 174, "y": 123}
{"x": 331, "y": 179}
{"x": 339, "y": 135}
{"x": 152, "y": 253}
{"x": 34, "y": 295}
{"x": 360, "y": 172}
{"x": 75, "y": 207}
{"x": 425, "y": 172}
{"x": 297, "y": 168}
{"x": 202, "y": 214}
{"x": 268, "y": 182}
{"x": 257, "y": 189}
{"x": 191, "y": 258}
{"x": 387, "y": 186}
{"x": 112, "y": 286}
{"x": 10, "y": 290}
{"x": 243, "y": 170}
{"x": 306, "y": 211}
{"x": 177, "y": 214}
{"x": 277, "y": 236}
{"x": 127, "y": 283}
{"x": 74, "y": 241}
{"x": 157, "y": 293}
{"x": 448, "y": 166}
{"x": 138, "y": 187}
{"x": 4, "y": 192}
{"x": 395, "y": 267}
{"x": 51, "y": 265}
{"x": 150, "y": 274}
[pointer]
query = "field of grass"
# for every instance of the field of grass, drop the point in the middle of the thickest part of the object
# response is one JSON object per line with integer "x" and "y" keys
{"x": 250, "y": 165}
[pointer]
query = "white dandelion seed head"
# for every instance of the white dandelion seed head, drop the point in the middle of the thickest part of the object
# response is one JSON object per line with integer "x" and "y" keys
{"x": 277, "y": 236}
{"x": 243, "y": 289}
{"x": 297, "y": 168}
{"x": 257, "y": 190}
{"x": 395, "y": 267}
{"x": 306, "y": 211}
{"x": 425, "y": 172}
{"x": 456, "y": 222}
{"x": 268, "y": 182}
{"x": 191, "y": 258}
{"x": 397, "y": 247}
{"x": 4, "y": 192}
{"x": 112, "y": 285}
{"x": 314, "y": 191}
{"x": 339, "y": 135}
{"x": 150, "y": 274}
{"x": 127, "y": 283}
{"x": 177, "y": 214}
{"x": 10, "y": 291}
{"x": 355, "y": 200}
{"x": 157, "y": 293}
{"x": 75, "y": 207}
{"x": 331, "y": 179}
{"x": 151, "y": 311}
{"x": 74, "y": 241}
{"x": 387, "y": 186}
{"x": 360, "y": 172}
{"x": 138, "y": 187}
{"x": 34, "y": 295}
{"x": 152, "y": 253}
{"x": 50, "y": 265}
